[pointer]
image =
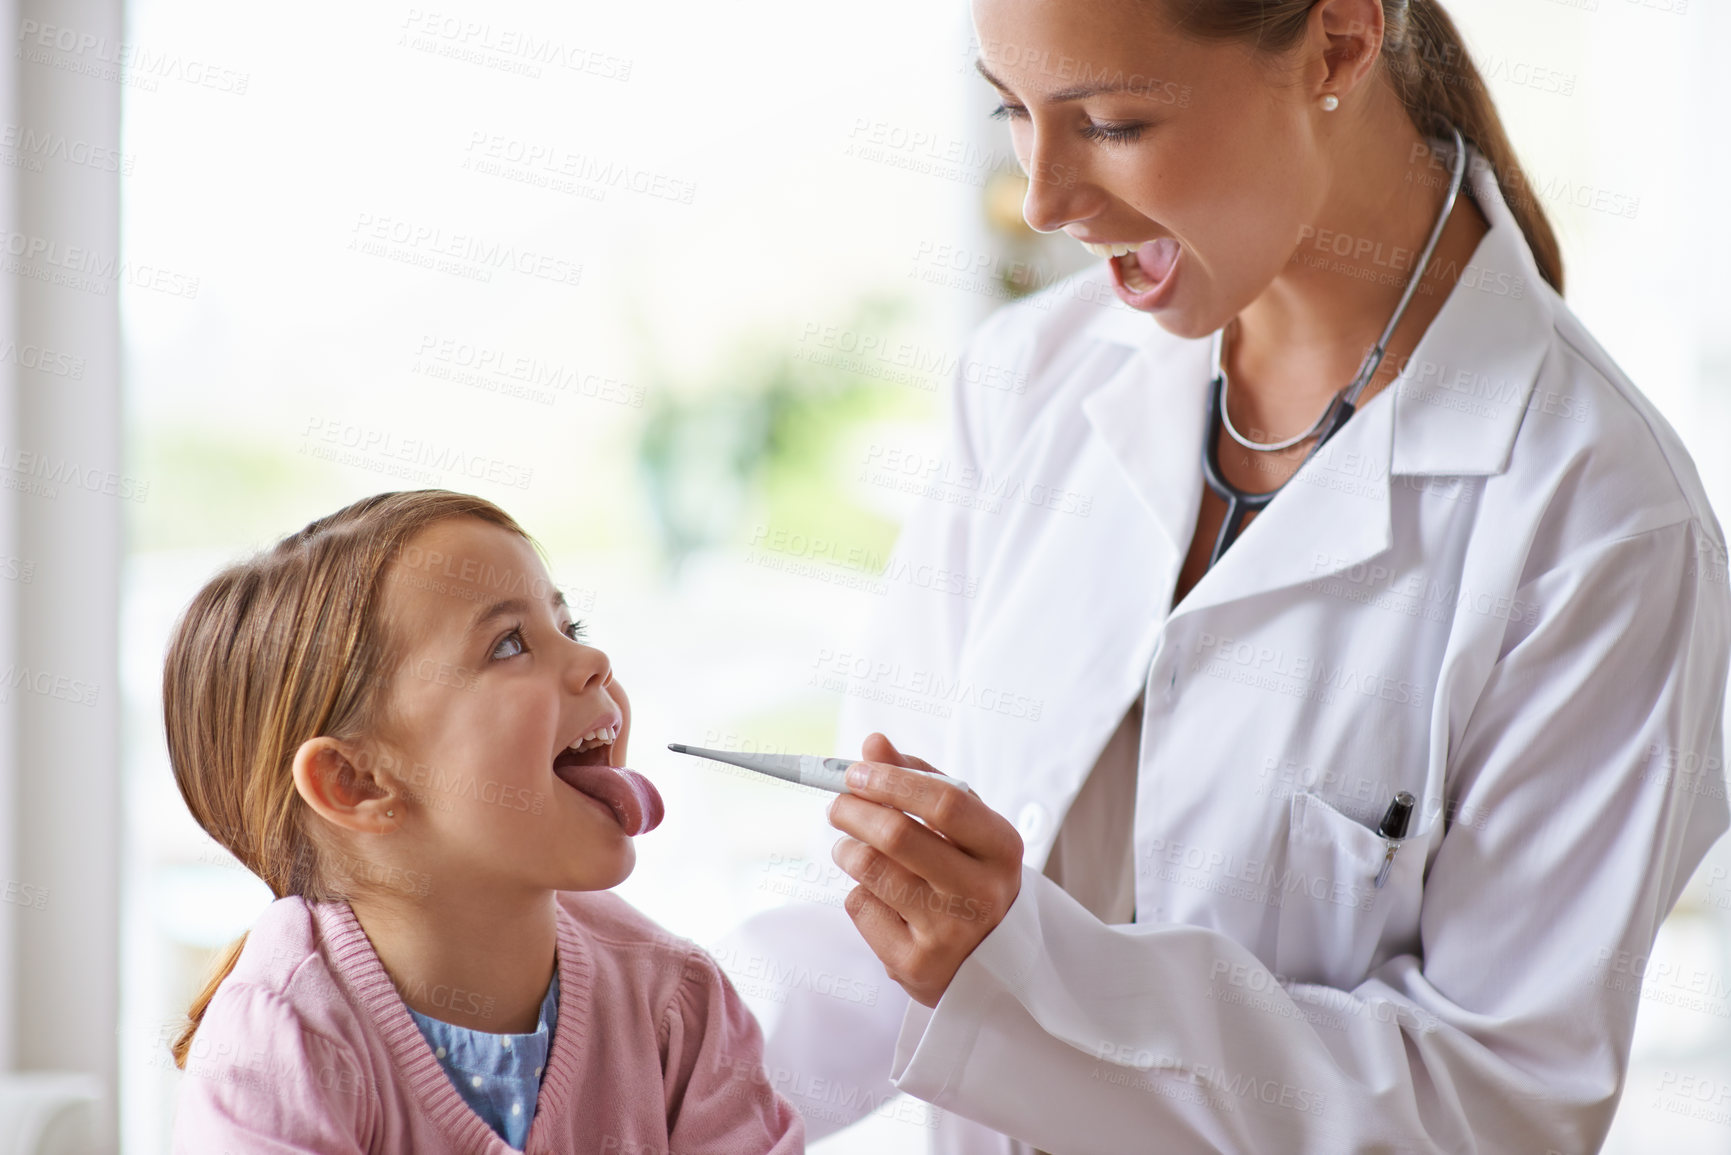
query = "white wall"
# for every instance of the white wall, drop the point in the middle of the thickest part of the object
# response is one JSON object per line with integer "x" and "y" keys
{"x": 60, "y": 542}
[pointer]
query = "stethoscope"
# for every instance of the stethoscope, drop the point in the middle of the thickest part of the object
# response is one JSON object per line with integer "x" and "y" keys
{"x": 1240, "y": 504}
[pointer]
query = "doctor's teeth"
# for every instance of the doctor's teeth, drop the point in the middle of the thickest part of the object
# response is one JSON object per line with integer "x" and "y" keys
{"x": 1109, "y": 250}
{"x": 1134, "y": 277}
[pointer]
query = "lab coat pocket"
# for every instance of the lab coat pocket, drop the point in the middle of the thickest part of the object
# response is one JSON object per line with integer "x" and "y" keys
{"x": 1332, "y": 915}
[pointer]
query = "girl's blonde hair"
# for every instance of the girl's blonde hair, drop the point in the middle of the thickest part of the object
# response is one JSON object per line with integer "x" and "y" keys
{"x": 276, "y": 650}
{"x": 1431, "y": 71}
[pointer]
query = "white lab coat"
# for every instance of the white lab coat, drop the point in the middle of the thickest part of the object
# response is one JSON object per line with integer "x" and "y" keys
{"x": 1499, "y": 587}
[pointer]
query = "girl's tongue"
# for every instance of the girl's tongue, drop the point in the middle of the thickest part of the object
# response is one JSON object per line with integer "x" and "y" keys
{"x": 633, "y": 798}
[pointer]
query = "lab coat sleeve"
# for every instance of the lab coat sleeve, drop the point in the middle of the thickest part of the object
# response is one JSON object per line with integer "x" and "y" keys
{"x": 1509, "y": 1029}
{"x": 830, "y": 1052}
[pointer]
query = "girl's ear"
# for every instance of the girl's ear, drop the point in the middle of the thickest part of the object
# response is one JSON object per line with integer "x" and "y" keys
{"x": 345, "y": 787}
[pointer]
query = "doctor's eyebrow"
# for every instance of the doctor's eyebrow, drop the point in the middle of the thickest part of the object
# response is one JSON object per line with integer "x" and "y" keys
{"x": 1063, "y": 95}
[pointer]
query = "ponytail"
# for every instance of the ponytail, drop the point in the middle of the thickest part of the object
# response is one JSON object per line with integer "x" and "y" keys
{"x": 1433, "y": 75}
{"x": 1430, "y": 71}
{"x": 195, "y": 1014}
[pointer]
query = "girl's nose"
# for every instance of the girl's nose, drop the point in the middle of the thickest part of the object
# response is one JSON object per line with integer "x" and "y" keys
{"x": 587, "y": 667}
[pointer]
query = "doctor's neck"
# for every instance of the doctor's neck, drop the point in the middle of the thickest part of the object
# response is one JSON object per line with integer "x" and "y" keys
{"x": 1305, "y": 336}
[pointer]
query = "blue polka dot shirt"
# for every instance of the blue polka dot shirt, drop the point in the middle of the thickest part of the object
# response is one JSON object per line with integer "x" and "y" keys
{"x": 499, "y": 1076}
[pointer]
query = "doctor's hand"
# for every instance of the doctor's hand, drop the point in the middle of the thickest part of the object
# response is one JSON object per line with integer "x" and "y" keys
{"x": 927, "y": 895}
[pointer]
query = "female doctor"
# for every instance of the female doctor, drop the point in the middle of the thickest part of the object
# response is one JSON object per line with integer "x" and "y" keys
{"x": 1471, "y": 569}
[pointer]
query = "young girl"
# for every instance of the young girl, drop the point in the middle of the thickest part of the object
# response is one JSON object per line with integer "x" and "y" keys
{"x": 392, "y": 719}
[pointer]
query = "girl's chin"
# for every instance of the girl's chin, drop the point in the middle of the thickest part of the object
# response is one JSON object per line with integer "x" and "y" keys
{"x": 602, "y": 870}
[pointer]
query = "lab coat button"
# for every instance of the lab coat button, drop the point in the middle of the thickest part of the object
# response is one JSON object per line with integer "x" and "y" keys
{"x": 1031, "y": 822}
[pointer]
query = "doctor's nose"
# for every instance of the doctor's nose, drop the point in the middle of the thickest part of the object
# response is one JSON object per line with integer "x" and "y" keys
{"x": 1057, "y": 195}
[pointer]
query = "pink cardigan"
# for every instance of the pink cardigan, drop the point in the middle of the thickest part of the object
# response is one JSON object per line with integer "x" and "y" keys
{"x": 308, "y": 1048}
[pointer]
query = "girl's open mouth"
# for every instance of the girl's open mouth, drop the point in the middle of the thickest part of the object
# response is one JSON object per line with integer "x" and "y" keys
{"x": 586, "y": 766}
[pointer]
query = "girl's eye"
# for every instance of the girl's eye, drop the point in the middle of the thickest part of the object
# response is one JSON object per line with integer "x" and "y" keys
{"x": 514, "y": 643}
{"x": 1008, "y": 112}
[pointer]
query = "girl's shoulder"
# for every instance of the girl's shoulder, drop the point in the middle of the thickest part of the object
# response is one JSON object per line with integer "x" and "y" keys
{"x": 282, "y": 941}
{"x": 289, "y": 957}
{"x": 280, "y": 980}
{"x": 279, "y": 1047}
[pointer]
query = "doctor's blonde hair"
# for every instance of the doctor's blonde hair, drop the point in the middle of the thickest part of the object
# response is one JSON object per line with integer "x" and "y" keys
{"x": 284, "y": 647}
{"x": 1430, "y": 70}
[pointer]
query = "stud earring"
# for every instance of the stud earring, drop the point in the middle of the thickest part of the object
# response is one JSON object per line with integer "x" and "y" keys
{"x": 390, "y": 814}
{"x": 1330, "y": 102}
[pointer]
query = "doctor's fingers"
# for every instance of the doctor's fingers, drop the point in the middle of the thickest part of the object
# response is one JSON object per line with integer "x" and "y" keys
{"x": 886, "y": 933}
{"x": 924, "y": 907}
{"x": 878, "y": 748}
{"x": 959, "y": 815}
{"x": 886, "y": 830}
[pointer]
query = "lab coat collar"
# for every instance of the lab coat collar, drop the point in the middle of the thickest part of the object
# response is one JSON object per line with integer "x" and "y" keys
{"x": 1460, "y": 399}
{"x": 1150, "y": 413}
{"x": 1453, "y": 412}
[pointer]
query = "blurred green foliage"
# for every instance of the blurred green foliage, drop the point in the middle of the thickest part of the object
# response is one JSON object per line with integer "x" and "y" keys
{"x": 760, "y": 440}
{"x": 757, "y": 439}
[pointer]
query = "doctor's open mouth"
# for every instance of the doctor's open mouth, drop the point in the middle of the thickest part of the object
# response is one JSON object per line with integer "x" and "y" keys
{"x": 1143, "y": 272}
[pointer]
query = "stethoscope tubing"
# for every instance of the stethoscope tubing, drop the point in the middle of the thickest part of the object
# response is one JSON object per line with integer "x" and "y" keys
{"x": 1239, "y": 504}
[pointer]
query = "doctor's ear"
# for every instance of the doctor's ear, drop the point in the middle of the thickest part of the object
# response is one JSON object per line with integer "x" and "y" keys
{"x": 345, "y": 786}
{"x": 1342, "y": 41}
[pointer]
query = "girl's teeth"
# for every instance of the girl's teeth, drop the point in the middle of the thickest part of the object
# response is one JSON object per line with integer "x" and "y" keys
{"x": 596, "y": 737}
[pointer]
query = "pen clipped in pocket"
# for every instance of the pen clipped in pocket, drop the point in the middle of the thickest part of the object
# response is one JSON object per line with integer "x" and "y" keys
{"x": 1332, "y": 915}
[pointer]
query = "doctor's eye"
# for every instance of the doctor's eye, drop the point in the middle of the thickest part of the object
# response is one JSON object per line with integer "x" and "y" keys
{"x": 1109, "y": 133}
{"x": 1113, "y": 133}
